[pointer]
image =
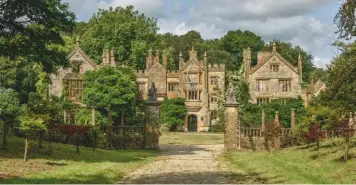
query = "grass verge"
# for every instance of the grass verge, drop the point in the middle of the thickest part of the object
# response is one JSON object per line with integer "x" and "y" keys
{"x": 298, "y": 164}
{"x": 64, "y": 165}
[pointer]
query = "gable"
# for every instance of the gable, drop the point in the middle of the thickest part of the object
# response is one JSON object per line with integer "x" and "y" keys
{"x": 77, "y": 54}
{"x": 274, "y": 58}
{"x": 193, "y": 63}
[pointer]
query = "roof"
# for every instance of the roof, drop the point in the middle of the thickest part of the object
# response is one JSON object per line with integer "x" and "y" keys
{"x": 318, "y": 85}
{"x": 190, "y": 61}
{"x": 255, "y": 68}
{"x": 77, "y": 48}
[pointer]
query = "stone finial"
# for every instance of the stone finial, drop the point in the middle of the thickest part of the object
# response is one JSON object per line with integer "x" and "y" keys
{"x": 205, "y": 54}
{"x": 192, "y": 48}
{"x": 152, "y": 93}
{"x": 77, "y": 41}
{"x": 150, "y": 52}
{"x": 157, "y": 56}
{"x": 274, "y": 48}
{"x": 231, "y": 98}
{"x": 193, "y": 53}
{"x": 276, "y": 119}
{"x": 180, "y": 54}
{"x": 300, "y": 67}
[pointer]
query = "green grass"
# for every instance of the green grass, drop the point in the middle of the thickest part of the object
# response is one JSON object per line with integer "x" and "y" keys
{"x": 298, "y": 164}
{"x": 191, "y": 138}
{"x": 64, "y": 165}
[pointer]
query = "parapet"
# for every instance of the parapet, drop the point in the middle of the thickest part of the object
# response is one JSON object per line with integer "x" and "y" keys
{"x": 173, "y": 73}
{"x": 141, "y": 73}
{"x": 216, "y": 67}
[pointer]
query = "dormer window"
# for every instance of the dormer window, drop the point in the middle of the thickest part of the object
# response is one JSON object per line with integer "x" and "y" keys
{"x": 274, "y": 67}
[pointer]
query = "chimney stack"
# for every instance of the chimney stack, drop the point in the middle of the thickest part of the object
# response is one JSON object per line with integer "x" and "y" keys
{"x": 181, "y": 60}
{"x": 157, "y": 56}
{"x": 112, "y": 59}
{"x": 165, "y": 58}
{"x": 274, "y": 48}
{"x": 193, "y": 53}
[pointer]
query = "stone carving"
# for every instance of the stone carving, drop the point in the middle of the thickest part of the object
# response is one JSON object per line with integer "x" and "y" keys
{"x": 231, "y": 97}
{"x": 152, "y": 93}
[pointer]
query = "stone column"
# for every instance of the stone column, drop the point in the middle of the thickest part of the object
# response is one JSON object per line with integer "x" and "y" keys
{"x": 232, "y": 136}
{"x": 263, "y": 120}
{"x": 277, "y": 141}
{"x": 232, "y": 128}
{"x": 152, "y": 125}
{"x": 64, "y": 116}
{"x": 93, "y": 116}
{"x": 292, "y": 119}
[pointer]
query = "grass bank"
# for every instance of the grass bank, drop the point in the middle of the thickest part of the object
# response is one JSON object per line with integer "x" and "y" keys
{"x": 298, "y": 164}
{"x": 64, "y": 165}
{"x": 191, "y": 138}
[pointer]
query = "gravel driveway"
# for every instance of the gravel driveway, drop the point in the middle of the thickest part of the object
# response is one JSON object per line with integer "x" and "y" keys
{"x": 183, "y": 164}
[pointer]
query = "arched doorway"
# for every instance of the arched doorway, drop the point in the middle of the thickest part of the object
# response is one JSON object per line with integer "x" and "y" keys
{"x": 192, "y": 123}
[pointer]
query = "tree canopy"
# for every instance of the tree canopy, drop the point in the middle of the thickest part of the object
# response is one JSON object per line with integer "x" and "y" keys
{"x": 172, "y": 113}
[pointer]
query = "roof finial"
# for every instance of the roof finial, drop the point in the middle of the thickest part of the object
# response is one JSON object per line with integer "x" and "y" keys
{"x": 205, "y": 54}
{"x": 299, "y": 57}
{"x": 77, "y": 41}
{"x": 180, "y": 54}
{"x": 192, "y": 48}
{"x": 274, "y": 46}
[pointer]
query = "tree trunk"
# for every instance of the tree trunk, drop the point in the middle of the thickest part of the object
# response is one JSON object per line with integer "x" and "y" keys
{"x": 4, "y": 141}
{"x": 77, "y": 143}
{"x": 26, "y": 148}
{"x": 40, "y": 142}
{"x": 122, "y": 118}
{"x": 109, "y": 130}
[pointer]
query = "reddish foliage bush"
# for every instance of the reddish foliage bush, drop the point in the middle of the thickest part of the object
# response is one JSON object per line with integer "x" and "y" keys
{"x": 314, "y": 133}
{"x": 70, "y": 130}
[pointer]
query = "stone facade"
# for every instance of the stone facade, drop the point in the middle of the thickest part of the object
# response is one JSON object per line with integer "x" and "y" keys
{"x": 273, "y": 77}
{"x": 194, "y": 81}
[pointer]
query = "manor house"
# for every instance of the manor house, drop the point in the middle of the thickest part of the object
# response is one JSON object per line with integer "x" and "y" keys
{"x": 195, "y": 80}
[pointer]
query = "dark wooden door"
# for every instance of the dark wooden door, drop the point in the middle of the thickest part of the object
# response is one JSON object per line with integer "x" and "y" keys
{"x": 192, "y": 123}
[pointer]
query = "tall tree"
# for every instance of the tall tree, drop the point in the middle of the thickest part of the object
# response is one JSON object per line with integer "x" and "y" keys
{"x": 173, "y": 112}
{"x": 28, "y": 28}
{"x": 235, "y": 42}
{"x": 112, "y": 89}
{"x": 345, "y": 19}
{"x": 123, "y": 29}
{"x": 9, "y": 109}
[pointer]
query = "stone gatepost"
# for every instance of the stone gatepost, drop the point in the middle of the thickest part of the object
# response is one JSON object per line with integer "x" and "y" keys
{"x": 152, "y": 124}
{"x": 232, "y": 134}
{"x": 292, "y": 120}
{"x": 263, "y": 127}
{"x": 277, "y": 140}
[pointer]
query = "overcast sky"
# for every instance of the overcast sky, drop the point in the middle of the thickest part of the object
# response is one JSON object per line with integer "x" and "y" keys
{"x": 307, "y": 23}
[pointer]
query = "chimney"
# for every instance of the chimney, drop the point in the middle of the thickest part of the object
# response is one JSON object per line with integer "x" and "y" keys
{"x": 157, "y": 57}
{"x": 300, "y": 68}
{"x": 77, "y": 41}
{"x": 181, "y": 60}
{"x": 107, "y": 57}
{"x": 149, "y": 59}
{"x": 274, "y": 48}
{"x": 205, "y": 58}
{"x": 193, "y": 53}
{"x": 164, "y": 58}
{"x": 104, "y": 57}
{"x": 112, "y": 58}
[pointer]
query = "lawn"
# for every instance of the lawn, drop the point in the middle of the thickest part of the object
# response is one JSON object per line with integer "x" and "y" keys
{"x": 66, "y": 166}
{"x": 298, "y": 164}
{"x": 191, "y": 138}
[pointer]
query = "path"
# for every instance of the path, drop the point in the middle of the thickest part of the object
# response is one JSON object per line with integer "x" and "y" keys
{"x": 183, "y": 164}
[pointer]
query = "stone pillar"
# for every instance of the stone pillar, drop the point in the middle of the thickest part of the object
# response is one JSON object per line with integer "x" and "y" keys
{"x": 93, "y": 116}
{"x": 152, "y": 125}
{"x": 277, "y": 140}
{"x": 292, "y": 119}
{"x": 263, "y": 120}
{"x": 232, "y": 128}
{"x": 64, "y": 116}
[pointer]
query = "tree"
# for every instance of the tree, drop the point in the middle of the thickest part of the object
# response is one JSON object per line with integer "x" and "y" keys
{"x": 291, "y": 54}
{"x": 31, "y": 125}
{"x": 173, "y": 112}
{"x": 345, "y": 20}
{"x": 9, "y": 109}
{"x": 124, "y": 29}
{"x": 235, "y": 42}
{"x": 111, "y": 89}
{"x": 222, "y": 57}
{"x": 29, "y": 28}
